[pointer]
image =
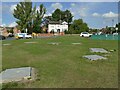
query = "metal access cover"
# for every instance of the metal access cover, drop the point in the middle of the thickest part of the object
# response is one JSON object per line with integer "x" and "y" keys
{"x": 101, "y": 50}
{"x": 94, "y": 57}
{"x": 15, "y": 74}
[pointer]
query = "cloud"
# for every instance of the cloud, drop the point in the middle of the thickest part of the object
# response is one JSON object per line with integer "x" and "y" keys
{"x": 13, "y": 24}
{"x": 79, "y": 10}
{"x": 110, "y": 15}
{"x": 73, "y": 13}
{"x": 96, "y": 14}
{"x": 72, "y": 4}
{"x": 3, "y": 25}
{"x": 49, "y": 14}
{"x": 57, "y": 5}
{"x": 12, "y": 8}
{"x": 83, "y": 11}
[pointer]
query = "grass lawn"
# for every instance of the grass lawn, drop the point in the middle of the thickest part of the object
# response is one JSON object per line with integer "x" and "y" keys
{"x": 62, "y": 66}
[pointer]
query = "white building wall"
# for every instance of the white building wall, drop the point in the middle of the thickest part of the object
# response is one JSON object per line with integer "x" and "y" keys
{"x": 55, "y": 27}
{"x": 65, "y": 27}
{"x": 51, "y": 27}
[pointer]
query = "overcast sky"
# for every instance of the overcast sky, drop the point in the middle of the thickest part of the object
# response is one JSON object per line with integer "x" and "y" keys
{"x": 95, "y": 14}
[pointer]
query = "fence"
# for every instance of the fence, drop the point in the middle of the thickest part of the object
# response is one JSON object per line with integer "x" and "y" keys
{"x": 106, "y": 37}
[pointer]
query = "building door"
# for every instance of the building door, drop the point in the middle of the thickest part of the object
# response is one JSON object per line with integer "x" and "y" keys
{"x": 58, "y": 30}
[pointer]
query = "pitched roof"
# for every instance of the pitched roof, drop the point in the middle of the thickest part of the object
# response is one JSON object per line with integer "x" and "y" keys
{"x": 54, "y": 22}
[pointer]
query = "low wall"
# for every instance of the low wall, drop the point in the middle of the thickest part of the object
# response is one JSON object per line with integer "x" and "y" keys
{"x": 45, "y": 34}
{"x": 50, "y": 34}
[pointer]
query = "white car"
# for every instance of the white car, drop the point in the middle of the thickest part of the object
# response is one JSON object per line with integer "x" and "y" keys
{"x": 22, "y": 35}
{"x": 85, "y": 34}
{"x": 115, "y": 33}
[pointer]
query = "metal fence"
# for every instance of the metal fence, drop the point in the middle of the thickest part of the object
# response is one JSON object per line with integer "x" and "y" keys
{"x": 106, "y": 37}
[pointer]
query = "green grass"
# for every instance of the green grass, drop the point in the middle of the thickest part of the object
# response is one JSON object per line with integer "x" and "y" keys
{"x": 62, "y": 66}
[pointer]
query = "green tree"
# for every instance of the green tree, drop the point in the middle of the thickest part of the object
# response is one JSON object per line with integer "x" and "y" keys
{"x": 58, "y": 15}
{"x": 23, "y": 13}
{"x": 67, "y": 16}
{"x": 28, "y": 17}
{"x": 38, "y": 18}
{"x": 118, "y": 26}
{"x": 78, "y": 26}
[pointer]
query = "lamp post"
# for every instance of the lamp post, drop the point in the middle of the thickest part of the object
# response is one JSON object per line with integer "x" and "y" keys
{"x": 26, "y": 30}
{"x": 116, "y": 29}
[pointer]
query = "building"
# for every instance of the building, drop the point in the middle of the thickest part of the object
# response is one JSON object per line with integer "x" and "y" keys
{"x": 3, "y": 31}
{"x": 57, "y": 27}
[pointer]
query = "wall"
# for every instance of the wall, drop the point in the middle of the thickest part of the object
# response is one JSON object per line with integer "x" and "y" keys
{"x": 57, "y": 26}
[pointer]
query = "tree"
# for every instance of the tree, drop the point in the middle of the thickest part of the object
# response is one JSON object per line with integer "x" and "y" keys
{"x": 93, "y": 30}
{"x": 23, "y": 13}
{"x": 67, "y": 16}
{"x": 29, "y": 18}
{"x": 118, "y": 26}
{"x": 38, "y": 19}
{"x": 78, "y": 26}
{"x": 49, "y": 18}
{"x": 58, "y": 15}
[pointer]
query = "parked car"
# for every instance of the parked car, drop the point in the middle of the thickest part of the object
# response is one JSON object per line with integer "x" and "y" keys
{"x": 2, "y": 37}
{"x": 115, "y": 33}
{"x": 85, "y": 34}
{"x": 22, "y": 35}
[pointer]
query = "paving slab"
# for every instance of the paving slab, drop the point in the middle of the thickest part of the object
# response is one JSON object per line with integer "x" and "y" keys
{"x": 76, "y": 43}
{"x": 30, "y": 42}
{"x": 100, "y": 50}
{"x": 7, "y": 44}
{"x": 94, "y": 57}
{"x": 54, "y": 43}
{"x": 15, "y": 74}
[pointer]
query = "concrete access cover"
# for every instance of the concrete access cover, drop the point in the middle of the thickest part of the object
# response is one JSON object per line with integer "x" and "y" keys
{"x": 100, "y": 50}
{"x": 16, "y": 74}
{"x": 94, "y": 57}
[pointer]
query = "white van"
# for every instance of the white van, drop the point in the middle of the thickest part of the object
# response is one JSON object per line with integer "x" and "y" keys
{"x": 22, "y": 35}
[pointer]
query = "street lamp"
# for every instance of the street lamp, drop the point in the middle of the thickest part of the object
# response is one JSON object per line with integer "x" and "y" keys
{"x": 116, "y": 29}
{"x": 26, "y": 30}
